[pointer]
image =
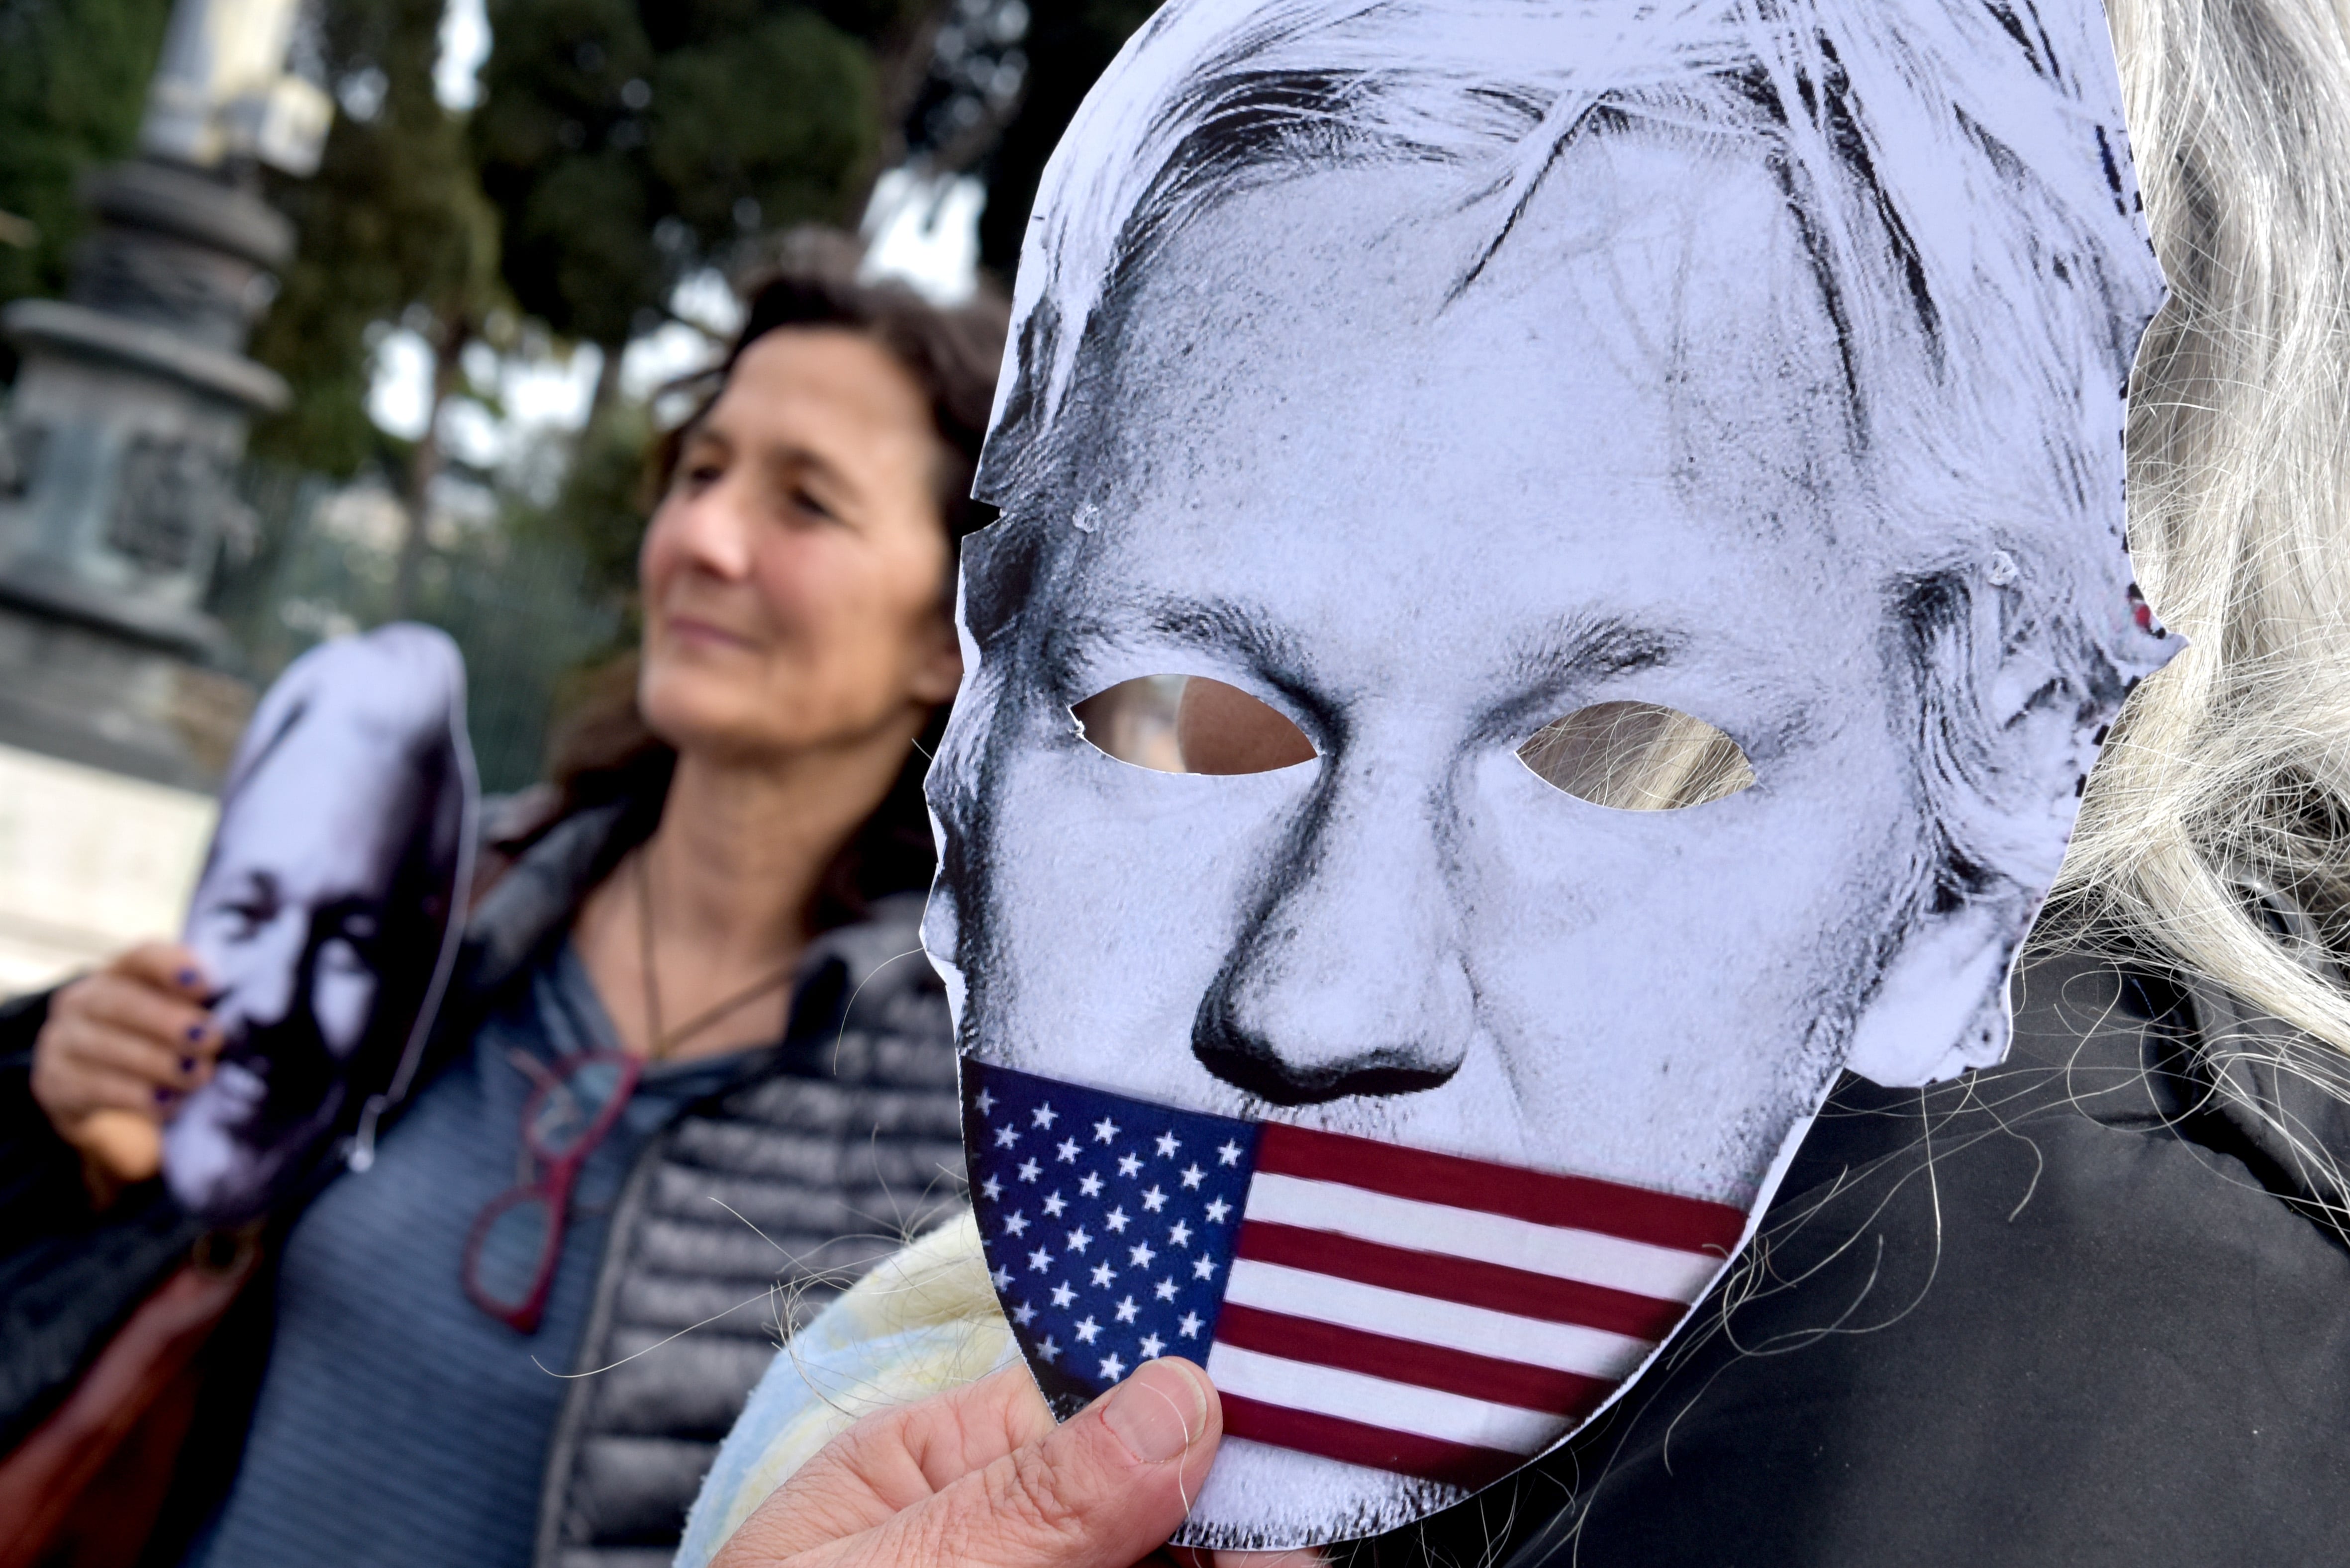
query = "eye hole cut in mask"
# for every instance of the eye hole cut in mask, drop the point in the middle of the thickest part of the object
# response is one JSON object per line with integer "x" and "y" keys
{"x": 1638, "y": 756}
{"x": 1189, "y": 724}
{"x": 1628, "y": 756}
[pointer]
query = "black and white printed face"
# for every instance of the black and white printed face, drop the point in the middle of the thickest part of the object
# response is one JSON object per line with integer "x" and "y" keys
{"x": 1613, "y": 470}
{"x": 290, "y": 912}
{"x": 301, "y": 921}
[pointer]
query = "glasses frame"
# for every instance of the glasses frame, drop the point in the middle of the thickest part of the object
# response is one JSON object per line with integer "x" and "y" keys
{"x": 553, "y": 1186}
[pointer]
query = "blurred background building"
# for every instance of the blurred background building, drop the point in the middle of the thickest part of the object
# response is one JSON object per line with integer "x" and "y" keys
{"x": 323, "y": 313}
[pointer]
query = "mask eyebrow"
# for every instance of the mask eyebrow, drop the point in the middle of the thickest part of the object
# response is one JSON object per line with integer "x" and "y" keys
{"x": 252, "y": 890}
{"x": 1218, "y": 625}
{"x": 1575, "y": 650}
{"x": 1584, "y": 649}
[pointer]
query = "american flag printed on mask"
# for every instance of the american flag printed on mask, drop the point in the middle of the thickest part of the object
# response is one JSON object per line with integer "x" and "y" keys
{"x": 1442, "y": 1317}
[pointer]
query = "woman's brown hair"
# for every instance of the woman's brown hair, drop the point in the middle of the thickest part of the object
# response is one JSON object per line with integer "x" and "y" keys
{"x": 603, "y": 752}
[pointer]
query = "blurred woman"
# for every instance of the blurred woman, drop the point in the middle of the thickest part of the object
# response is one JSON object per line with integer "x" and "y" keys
{"x": 691, "y": 1049}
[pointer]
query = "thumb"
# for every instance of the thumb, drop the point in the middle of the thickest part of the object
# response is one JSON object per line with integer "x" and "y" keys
{"x": 1099, "y": 1490}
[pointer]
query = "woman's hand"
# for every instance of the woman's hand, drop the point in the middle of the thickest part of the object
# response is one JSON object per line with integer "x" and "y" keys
{"x": 122, "y": 1048}
{"x": 982, "y": 1476}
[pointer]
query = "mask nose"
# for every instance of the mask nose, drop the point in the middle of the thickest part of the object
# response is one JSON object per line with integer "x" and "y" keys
{"x": 1350, "y": 980}
{"x": 259, "y": 973}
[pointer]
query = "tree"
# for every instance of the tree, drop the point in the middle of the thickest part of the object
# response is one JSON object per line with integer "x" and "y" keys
{"x": 394, "y": 230}
{"x": 598, "y": 515}
{"x": 1069, "y": 43}
{"x": 628, "y": 142}
{"x": 1001, "y": 85}
{"x": 73, "y": 86}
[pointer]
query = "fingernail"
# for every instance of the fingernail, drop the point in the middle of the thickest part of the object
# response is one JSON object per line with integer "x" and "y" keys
{"x": 188, "y": 1065}
{"x": 164, "y": 1096}
{"x": 187, "y": 977}
{"x": 195, "y": 1032}
{"x": 1156, "y": 1412}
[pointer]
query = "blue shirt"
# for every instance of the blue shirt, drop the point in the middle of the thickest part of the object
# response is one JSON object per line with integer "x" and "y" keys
{"x": 397, "y": 1423}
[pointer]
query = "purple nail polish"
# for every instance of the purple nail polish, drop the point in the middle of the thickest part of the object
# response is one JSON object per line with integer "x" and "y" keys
{"x": 187, "y": 977}
{"x": 195, "y": 1032}
{"x": 163, "y": 1096}
{"x": 188, "y": 1065}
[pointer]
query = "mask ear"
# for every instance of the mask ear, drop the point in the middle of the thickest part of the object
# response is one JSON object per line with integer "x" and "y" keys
{"x": 2019, "y": 722}
{"x": 1941, "y": 1006}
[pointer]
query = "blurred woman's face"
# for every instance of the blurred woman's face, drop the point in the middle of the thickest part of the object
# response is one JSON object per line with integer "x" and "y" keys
{"x": 794, "y": 574}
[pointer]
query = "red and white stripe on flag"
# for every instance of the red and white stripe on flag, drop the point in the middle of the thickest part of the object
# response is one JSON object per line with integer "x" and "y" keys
{"x": 1444, "y": 1317}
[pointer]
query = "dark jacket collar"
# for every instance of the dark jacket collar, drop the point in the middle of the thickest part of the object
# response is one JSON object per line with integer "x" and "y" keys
{"x": 525, "y": 912}
{"x": 2282, "y": 1093}
{"x": 2125, "y": 1042}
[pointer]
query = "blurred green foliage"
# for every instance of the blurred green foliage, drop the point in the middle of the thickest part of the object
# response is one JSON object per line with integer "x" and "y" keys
{"x": 628, "y": 142}
{"x": 393, "y": 228}
{"x": 599, "y": 513}
{"x": 73, "y": 85}
{"x": 526, "y": 610}
{"x": 1069, "y": 43}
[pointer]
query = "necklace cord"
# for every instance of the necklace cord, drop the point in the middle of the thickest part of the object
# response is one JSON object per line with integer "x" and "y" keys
{"x": 658, "y": 1044}
{"x": 645, "y": 953}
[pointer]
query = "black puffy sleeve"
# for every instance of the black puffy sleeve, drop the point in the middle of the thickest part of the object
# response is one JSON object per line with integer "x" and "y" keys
{"x": 68, "y": 1275}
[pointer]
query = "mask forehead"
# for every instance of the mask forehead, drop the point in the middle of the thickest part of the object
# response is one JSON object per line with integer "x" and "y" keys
{"x": 1522, "y": 370}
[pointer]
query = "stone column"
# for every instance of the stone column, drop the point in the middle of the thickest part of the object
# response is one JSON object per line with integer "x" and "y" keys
{"x": 130, "y": 410}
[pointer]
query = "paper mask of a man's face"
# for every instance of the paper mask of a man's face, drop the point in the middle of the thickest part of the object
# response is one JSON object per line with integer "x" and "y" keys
{"x": 329, "y": 909}
{"x": 1561, "y": 572}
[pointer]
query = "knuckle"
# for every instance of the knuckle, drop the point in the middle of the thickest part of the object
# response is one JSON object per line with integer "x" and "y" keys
{"x": 865, "y": 1445}
{"x": 1033, "y": 1494}
{"x": 929, "y": 1538}
{"x": 102, "y": 999}
{"x": 58, "y": 1043}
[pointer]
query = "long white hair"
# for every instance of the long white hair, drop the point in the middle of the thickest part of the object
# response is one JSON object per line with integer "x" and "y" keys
{"x": 2216, "y": 832}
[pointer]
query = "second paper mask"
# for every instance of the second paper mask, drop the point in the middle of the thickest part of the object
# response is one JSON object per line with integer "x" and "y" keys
{"x": 1561, "y": 570}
